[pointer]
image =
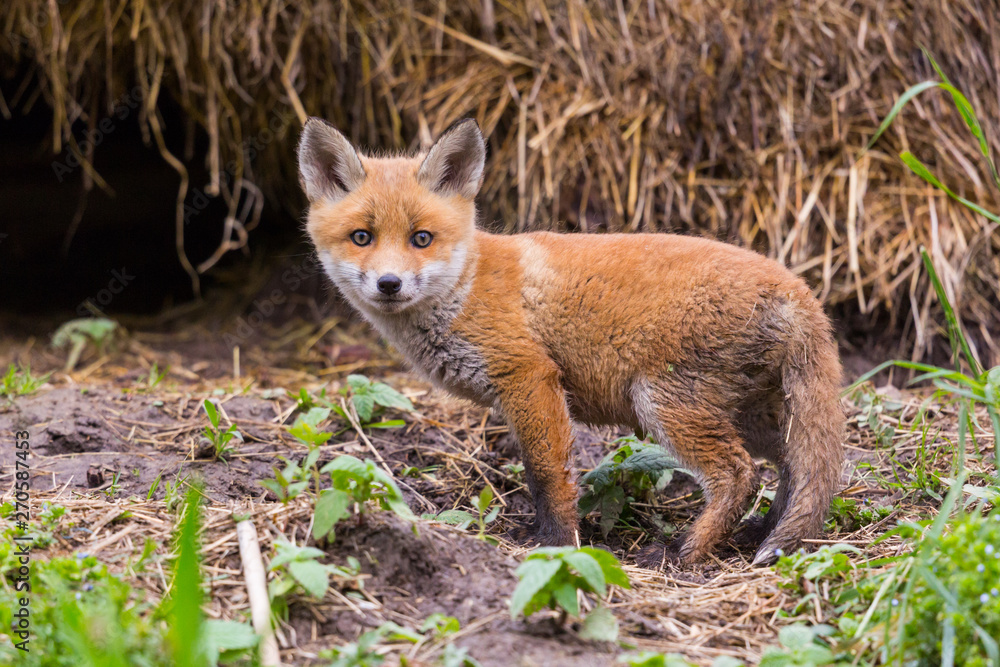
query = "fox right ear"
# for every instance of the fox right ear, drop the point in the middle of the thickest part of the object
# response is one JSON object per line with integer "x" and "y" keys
{"x": 329, "y": 166}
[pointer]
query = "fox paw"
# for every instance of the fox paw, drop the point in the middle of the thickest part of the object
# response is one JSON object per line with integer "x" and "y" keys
{"x": 545, "y": 535}
{"x": 657, "y": 555}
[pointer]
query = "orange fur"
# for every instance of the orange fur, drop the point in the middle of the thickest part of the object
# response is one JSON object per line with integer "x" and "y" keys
{"x": 718, "y": 352}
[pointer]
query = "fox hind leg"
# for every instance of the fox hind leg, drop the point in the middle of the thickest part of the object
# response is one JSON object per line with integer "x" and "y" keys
{"x": 704, "y": 440}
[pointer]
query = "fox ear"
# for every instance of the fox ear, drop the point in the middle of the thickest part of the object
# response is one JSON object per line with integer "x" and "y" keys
{"x": 455, "y": 163}
{"x": 329, "y": 166}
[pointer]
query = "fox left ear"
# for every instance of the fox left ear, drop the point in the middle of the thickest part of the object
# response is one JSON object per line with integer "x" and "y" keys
{"x": 456, "y": 161}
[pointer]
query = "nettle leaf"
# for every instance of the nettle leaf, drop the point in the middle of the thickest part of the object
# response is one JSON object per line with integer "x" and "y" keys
{"x": 388, "y": 397}
{"x": 459, "y": 518}
{"x": 649, "y": 459}
{"x": 313, "y": 576}
{"x": 600, "y": 626}
{"x": 613, "y": 572}
{"x": 795, "y": 636}
{"x": 229, "y": 635}
{"x": 331, "y": 506}
{"x": 612, "y": 504}
{"x": 358, "y": 382}
{"x": 364, "y": 404}
{"x": 345, "y": 463}
{"x": 589, "y": 569}
{"x": 288, "y": 552}
{"x": 314, "y": 417}
{"x": 534, "y": 574}
{"x": 400, "y": 508}
{"x": 566, "y": 597}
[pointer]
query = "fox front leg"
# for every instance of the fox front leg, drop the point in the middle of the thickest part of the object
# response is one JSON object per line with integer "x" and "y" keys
{"x": 534, "y": 403}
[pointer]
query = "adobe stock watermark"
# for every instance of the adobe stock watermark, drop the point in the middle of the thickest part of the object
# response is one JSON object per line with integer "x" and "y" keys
{"x": 119, "y": 281}
{"x": 92, "y": 138}
{"x": 251, "y": 147}
{"x": 265, "y": 307}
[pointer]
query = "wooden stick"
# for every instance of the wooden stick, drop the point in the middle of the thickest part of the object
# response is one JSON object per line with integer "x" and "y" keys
{"x": 260, "y": 604}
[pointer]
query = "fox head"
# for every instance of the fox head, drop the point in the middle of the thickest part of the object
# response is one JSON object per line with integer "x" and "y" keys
{"x": 392, "y": 232}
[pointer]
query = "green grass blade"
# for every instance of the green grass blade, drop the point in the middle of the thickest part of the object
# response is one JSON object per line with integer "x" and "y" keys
{"x": 903, "y": 100}
{"x": 958, "y": 340}
{"x": 185, "y": 616}
{"x": 923, "y": 172}
{"x": 969, "y": 114}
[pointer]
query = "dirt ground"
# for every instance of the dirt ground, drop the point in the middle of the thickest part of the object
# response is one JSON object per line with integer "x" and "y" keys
{"x": 109, "y": 446}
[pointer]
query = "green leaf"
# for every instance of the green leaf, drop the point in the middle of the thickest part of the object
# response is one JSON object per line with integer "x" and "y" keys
{"x": 795, "y": 636}
{"x": 212, "y": 412}
{"x": 600, "y": 625}
{"x": 903, "y": 100}
{"x": 358, "y": 383}
{"x": 923, "y": 172}
{"x": 459, "y": 518}
{"x": 566, "y": 597}
{"x": 345, "y": 463}
{"x": 286, "y": 552}
{"x": 534, "y": 574}
{"x": 484, "y": 500}
{"x": 588, "y": 568}
{"x": 400, "y": 508}
{"x": 613, "y": 572}
{"x": 331, "y": 506}
{"x": 388, "y": 397}
{"x": 313, "y": 576}
{"x": 229, "y": 635}
{"x": 387, "y": 423}
{"x": 185, "y": 615}
{"x": 364, "y": 404}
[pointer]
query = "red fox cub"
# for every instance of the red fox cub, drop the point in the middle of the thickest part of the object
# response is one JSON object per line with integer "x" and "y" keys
{"x": 720, "y": 353}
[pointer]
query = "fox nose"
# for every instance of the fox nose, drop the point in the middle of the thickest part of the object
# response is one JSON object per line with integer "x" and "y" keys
{"x": 389, "y": 284}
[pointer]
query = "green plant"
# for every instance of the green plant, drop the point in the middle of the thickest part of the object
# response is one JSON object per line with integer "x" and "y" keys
{"x": 306, "y": 428}
{"x": 289, "y": 482}
{"x": 968, "y": 113}
{"x": 303, "y": 569}
{"x": 77, "y": 333}
{"x": 453, "y": 656}
{"x": 81, "y": 614}
{"x": 355, "y": 482}
{"x": 872, "y": 406}
{"x": 463, "y": 519}
{"x": 153, "y": 378}
{"x": 634, "y": 470}
{"x": 952, "y": 605}
{"x": 799, "y": 648}
{"x": 440, "y": 625}
{"x": 847, "y": 515}
{"x": 979, "y": 386}
{"x": 192, "y": 639}
{"x": 114, "y": 487}
{"x": 368, "y": 396}
{"x": 551, "y": 577}
{"x": 172, "y": 491}
{"x": 363, "y": 651}
{"x": 20, "y": 382}
{"x": 216, "y": 437}
{"x": 651, "y": 659}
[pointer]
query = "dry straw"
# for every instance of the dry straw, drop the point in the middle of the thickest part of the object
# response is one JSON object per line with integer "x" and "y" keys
{"x": 738, "y": 120}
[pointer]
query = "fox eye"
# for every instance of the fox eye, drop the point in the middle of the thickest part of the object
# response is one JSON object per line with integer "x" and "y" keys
{"x": 422, "y": 239}
{"x": 361, "y": 237}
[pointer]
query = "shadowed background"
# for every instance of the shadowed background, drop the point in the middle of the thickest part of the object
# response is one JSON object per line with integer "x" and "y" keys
{"x": 141, "y": 134}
